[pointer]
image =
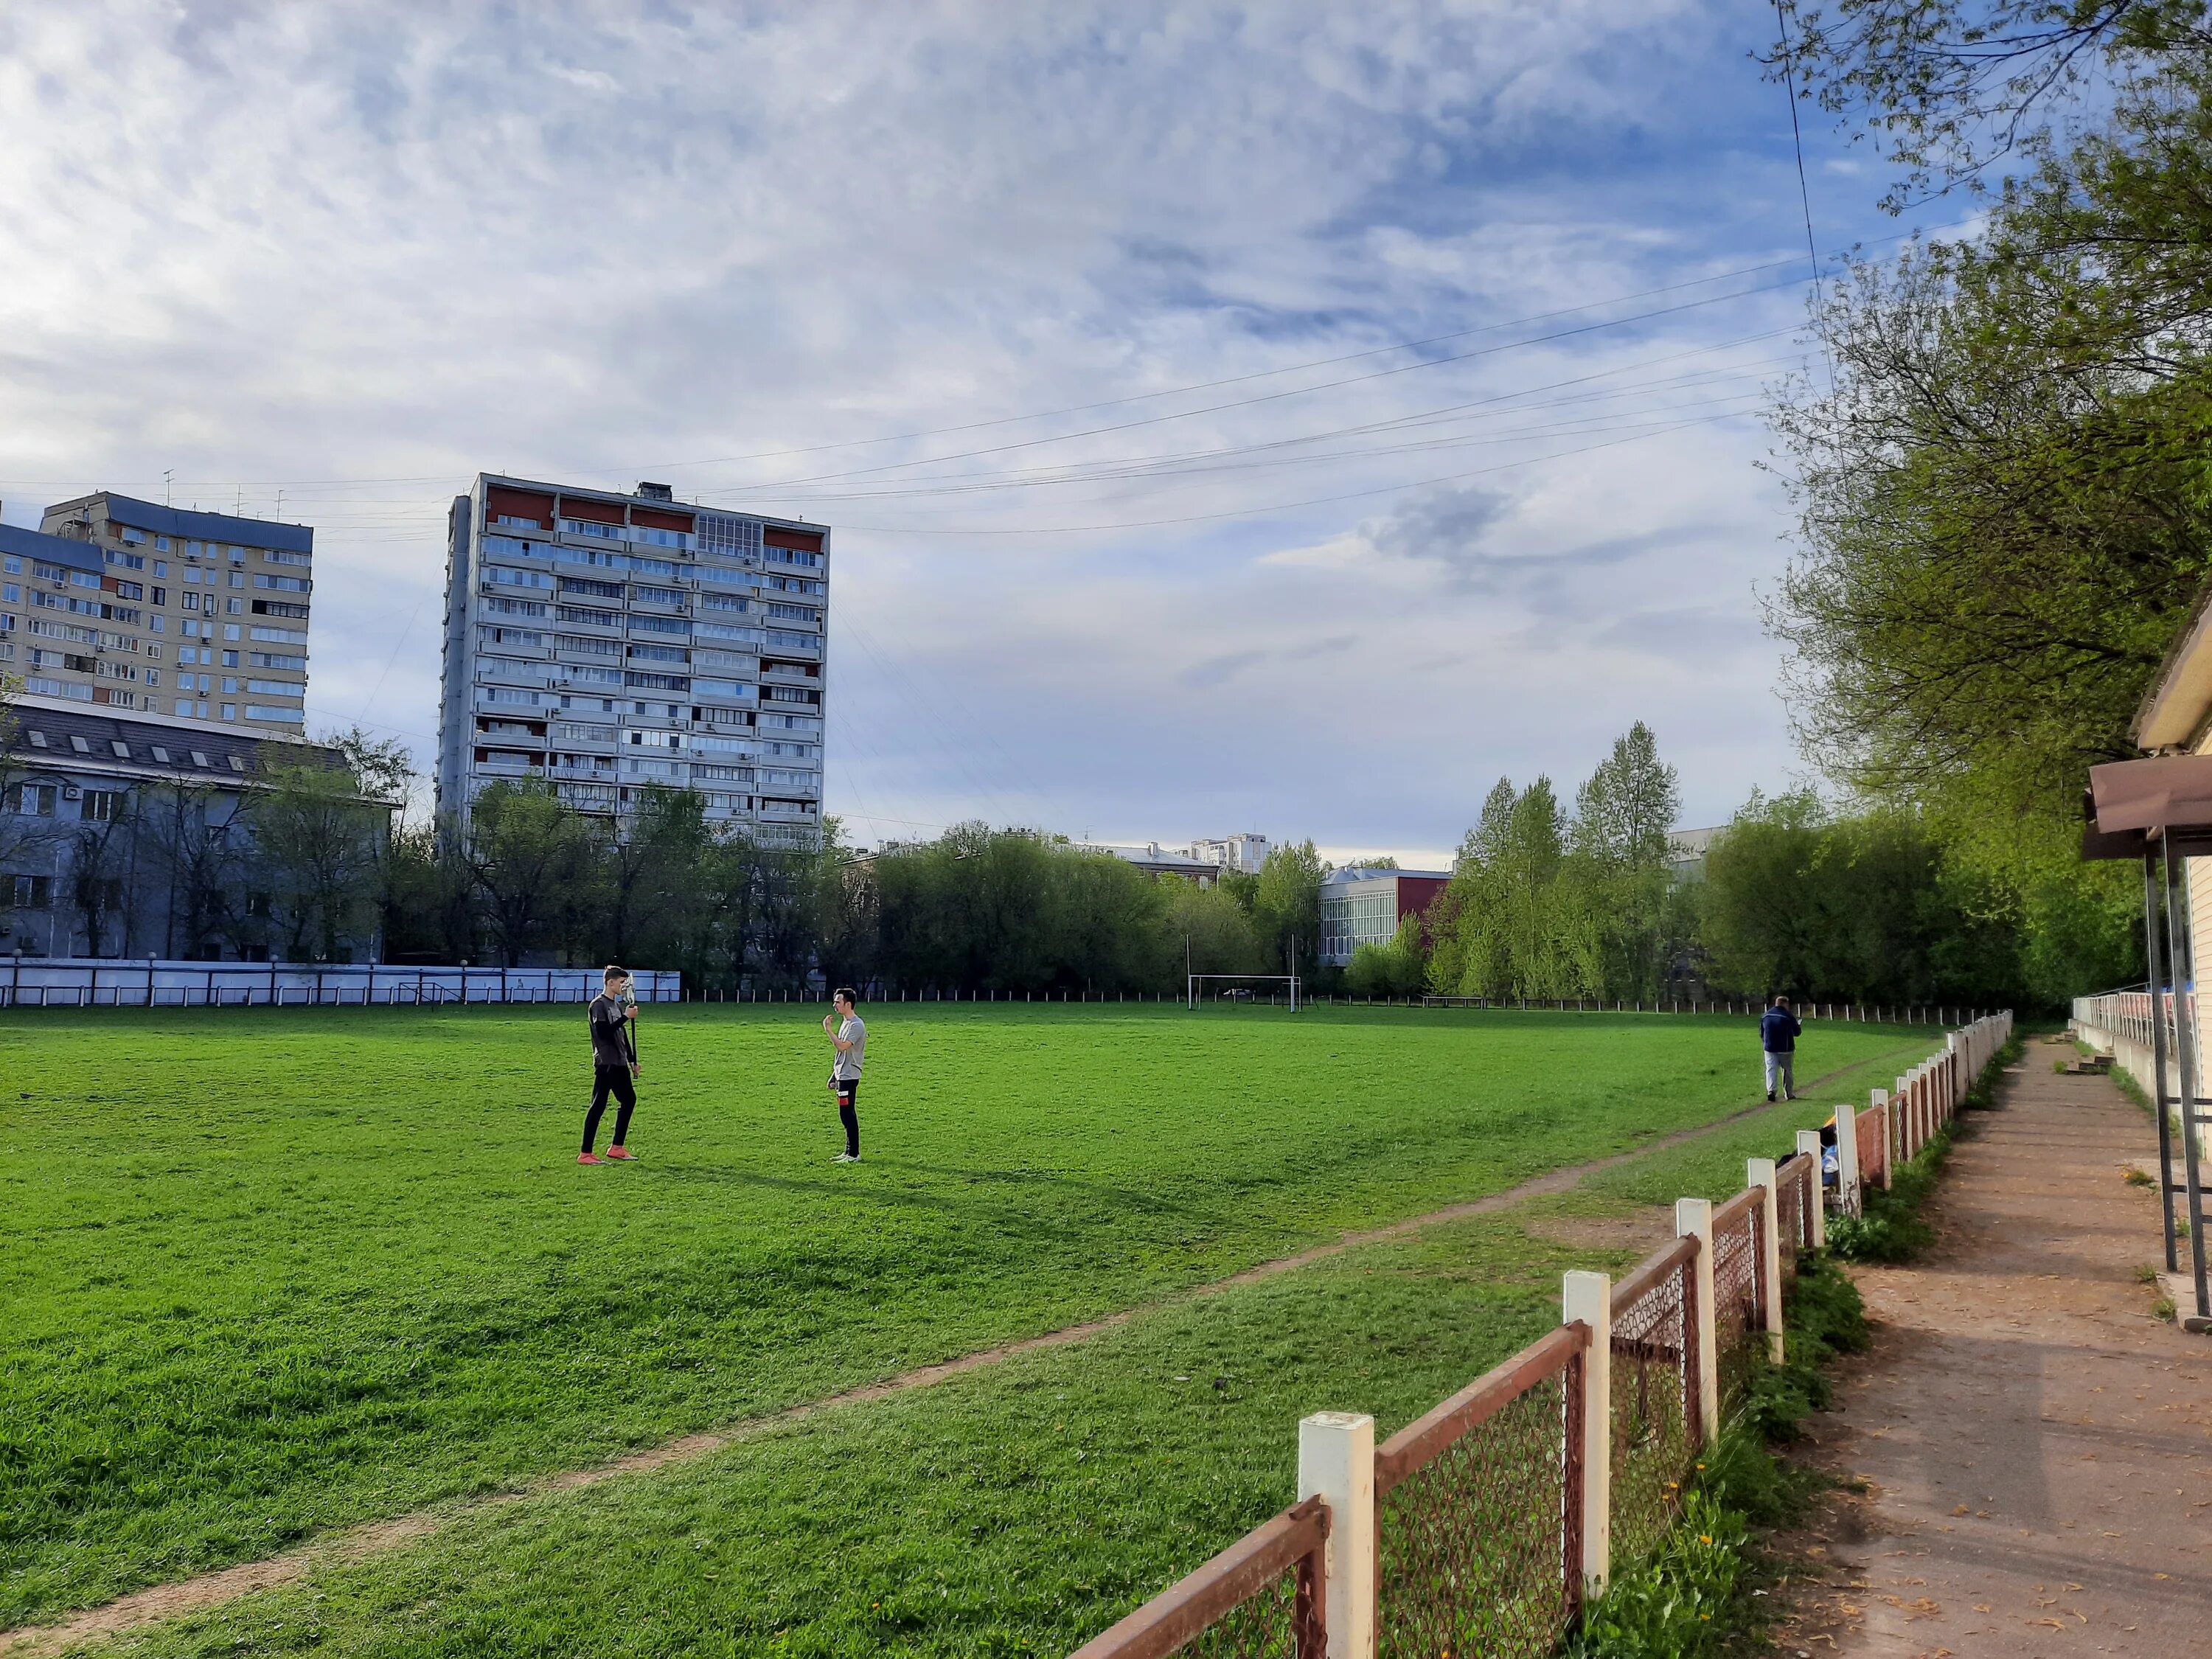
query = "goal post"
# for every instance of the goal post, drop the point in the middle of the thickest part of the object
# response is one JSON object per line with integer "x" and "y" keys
{"x": 1195, "y": 987}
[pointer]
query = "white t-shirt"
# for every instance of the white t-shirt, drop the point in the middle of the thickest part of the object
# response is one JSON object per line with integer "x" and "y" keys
{"x": 848, "y": 1059}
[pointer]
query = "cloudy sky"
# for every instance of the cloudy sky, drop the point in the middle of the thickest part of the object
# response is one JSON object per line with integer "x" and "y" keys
{"x": 1287, "y": 417}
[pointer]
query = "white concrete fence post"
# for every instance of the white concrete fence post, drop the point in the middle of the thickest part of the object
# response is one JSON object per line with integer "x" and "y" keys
{"x": 1847, "y": 1158}
{"x": 1588, "y": 1297}
{"x": 1759, "y": 1172}
{"x": 1808, "y": 1142}
{"x": 1336, "y": 1464}
{"x": 1879, "y": 1104}
{"x": 1694, "y": 1218}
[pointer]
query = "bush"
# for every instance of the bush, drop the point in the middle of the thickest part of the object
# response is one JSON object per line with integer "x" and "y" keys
{"x": 1675, "y": 1604}
{"x": 1692, "y": 1597}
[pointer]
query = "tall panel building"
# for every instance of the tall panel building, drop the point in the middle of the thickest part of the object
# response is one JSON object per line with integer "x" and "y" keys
{"x": 126, "y": 604}
{"x": 614, "y": 642}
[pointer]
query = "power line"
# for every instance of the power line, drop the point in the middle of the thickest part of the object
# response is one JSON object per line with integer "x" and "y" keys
{"x": 1804, "y": 193}
{"x": 1284, "y": 507}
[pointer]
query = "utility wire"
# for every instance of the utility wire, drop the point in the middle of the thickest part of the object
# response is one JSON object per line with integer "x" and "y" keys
{"x": 1804, "y": 193}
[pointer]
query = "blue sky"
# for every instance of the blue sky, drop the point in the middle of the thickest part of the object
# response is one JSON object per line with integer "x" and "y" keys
{"x": 356, "y": 254}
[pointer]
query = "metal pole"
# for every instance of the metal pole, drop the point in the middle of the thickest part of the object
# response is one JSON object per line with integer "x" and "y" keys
{"x": 2155, "y": 956}
{"x": 2185, "y": 1049}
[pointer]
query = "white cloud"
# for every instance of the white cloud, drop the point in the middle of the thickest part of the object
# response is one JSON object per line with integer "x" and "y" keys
{"x": 361, "y": 253}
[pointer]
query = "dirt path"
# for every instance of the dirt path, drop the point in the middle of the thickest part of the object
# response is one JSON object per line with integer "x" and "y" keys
{"x": 2038, "y": 1448}
{"x": 213, "y": 1589}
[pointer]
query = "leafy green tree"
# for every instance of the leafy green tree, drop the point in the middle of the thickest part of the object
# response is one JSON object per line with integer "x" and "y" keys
{"x": 535, "y": 864}
{"x": 427, "y": 897}
{"x": 1207, "y": 928}
{"x": 1399, "y": 968}
{"x": 318, "y": 847}
{"x": 1287, "y": 906}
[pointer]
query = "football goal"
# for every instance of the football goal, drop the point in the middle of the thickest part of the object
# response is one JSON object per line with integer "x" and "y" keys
{"x": 1243, "y": 987}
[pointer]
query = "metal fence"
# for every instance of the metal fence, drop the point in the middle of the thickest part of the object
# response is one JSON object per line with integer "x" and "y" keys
{"x": 1478, "y": 1529}
{"x": 79, "y": 982}
{"x": 1655, "y": 1410}
{"x": 1740, "y": 1292}
{"x": 1797, "y": 1191}
{"x": 1479, "y": 1510}
{"x": 1264, "y": 1597}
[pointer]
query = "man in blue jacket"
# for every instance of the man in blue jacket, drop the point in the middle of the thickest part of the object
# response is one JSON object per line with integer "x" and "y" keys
{"x": 1778, "y": 1031}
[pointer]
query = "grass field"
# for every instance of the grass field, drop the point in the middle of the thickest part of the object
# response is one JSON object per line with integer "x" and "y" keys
{"x": 270, "y": 1272}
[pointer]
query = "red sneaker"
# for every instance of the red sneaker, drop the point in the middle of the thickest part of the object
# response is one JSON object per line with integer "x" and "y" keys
{"x": 622, "y": 1152}
{"x": 589, "y": 1158}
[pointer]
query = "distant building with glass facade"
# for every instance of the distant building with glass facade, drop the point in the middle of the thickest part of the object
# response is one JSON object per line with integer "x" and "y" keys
{"x": 1361, "y": 906}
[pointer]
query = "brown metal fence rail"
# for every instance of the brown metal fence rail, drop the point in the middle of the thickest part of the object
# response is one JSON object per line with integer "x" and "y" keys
{"x": 1474, "y": 1532}
{"x": 1479, "y": 1506}
{"x": 1261, "y": 1598}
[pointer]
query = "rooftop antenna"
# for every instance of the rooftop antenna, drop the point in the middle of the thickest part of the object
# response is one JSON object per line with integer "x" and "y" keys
{"x": 167, "y": 473}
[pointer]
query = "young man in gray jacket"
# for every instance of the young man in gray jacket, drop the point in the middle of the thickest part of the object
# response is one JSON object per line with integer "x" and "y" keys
{"x": 850, "y": 1037}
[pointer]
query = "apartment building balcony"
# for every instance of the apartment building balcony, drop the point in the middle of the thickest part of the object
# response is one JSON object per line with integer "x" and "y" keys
{"x": 783, "y": 674}
{"x": 789, "y": 811}
{"x": 573, "y": 734}
{"x": 498, "y": 765}
{"x": 572, "y": 770}
{"x": 587, "y": 797}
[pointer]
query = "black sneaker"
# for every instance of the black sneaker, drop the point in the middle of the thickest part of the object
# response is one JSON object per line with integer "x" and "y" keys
{"x": 1769, "y": 1094}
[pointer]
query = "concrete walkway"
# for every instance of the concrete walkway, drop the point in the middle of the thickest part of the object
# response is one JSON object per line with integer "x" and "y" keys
{"x": 2037, "y": 1447}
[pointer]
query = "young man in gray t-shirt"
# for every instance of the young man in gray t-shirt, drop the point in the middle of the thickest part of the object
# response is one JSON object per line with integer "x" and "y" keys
{"x": 851, "y": 1038}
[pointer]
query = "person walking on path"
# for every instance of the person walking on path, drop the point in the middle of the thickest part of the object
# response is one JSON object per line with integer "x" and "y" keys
{"x": 851, "y": 1038}
{"x": 1778, "y": 1031}
{"x": 613, "y": 1016}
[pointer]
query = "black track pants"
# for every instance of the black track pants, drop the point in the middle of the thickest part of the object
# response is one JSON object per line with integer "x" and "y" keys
{"x": 610, "y": 1080}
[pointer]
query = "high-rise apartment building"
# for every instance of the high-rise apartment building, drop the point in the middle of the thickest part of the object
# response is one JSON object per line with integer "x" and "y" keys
{"x": 124, "y": 603}
{"x": 613, "y": 642}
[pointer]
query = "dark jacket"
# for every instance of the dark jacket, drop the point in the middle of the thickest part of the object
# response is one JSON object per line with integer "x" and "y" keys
{"x": 1778, "y": 1031}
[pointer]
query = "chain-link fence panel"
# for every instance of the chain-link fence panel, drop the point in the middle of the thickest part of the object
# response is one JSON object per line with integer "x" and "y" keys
{"x": 1654, "y": 1421}
{"x": 1738, "y": 1324}
{"x": 1481, "y": 1544}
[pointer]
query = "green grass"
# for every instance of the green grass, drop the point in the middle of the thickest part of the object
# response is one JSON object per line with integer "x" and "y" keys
{"x": 1712, "y": 1165}
{"x": 1017, "y": 1510}
{"x": 270, "y": 1272}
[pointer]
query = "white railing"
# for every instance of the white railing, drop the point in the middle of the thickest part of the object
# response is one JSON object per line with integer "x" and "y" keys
{"x": 81, "y": 983}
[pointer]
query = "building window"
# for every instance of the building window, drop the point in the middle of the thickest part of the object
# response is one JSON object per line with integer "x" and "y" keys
{"x": 103, "y": 806}
{"x": 31, "y": 892}
{"x": 33, "y": 801}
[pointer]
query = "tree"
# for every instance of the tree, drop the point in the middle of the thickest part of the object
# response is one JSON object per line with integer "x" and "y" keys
{"x": 535, "y": 863}
{"x": 318, "y": 843}
{"x": 1396, "y": 969}
{"x": 194, "y": 843}
{"x": 100, "y": 854}
{"x": 1207, "y": 928}
{"x": 1287, "y": 906}
{"x": 652, "y": 860}
{"x": 427, "y": 898}
{"x": 1619, "y": 856}
{"x": 1955, "y": 86}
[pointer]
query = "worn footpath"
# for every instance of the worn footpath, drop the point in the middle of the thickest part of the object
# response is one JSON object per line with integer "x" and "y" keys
{"x": 2035, "y": 1445}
